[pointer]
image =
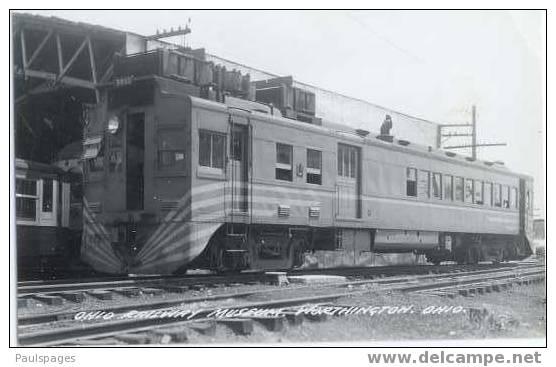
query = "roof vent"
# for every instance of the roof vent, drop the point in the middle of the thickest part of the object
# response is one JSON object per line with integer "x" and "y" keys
{"x": 362, "y": 133}
{"x": 387, "y": 138}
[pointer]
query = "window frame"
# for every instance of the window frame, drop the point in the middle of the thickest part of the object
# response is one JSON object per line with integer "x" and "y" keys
{"x": 348, "y": 161}
{"x": 420, "y": 173}
{"x": 480, "y": 183}
{"x": 505, "y": 200}
{"x": 465, "y": 190}
{"x": 499, "y": 196}
{"x": 407, "y": 181}
{"x": 514, "y": 197}
{"x": 34, "y": 197}
{"x": 461, "y": 197}
{"x": 448, "y": 178}
{"x": 211, "y": 167}
{"x": 314, "y": 171}
{"x": 280, "y": 167}
{"x": 439, "y": 188}
{"x": 487, "y": 200}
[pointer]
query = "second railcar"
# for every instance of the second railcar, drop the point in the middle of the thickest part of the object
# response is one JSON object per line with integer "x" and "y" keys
{"x": 48, "y": 218}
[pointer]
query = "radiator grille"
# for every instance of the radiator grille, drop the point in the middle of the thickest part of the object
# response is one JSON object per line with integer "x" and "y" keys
{"x": 314, "y": 212}
{"x": 167, "y": 205}
{"x": 283, "y": 210}
{"x": 95, "y": 207}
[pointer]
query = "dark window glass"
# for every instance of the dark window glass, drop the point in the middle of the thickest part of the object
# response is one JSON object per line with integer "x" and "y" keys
{"x": 437, "y": 185}
{"x": 171, "y": 154}
{"x": 204, "y": 148}
{"x": 135, "y": 161}
{"x": 448, "y": 187}
{"x": 347, "y": 161}
{"x": 459, "y": 189}
{"x": 340, "y": 161}
{"x": 478, "y": 188}
{"x": 218, "y": 150}
{"x": 411, "y": 182}
{"x": 284, "y": 154}
{"x": 26, "y": 187}
{"x": 284, "y": 162}
{"x": 314, "y": 167}
{"x": 497, "y": 199}
{"x": 487, "y": 194}
{"x": 47, "y": 195}
{"x": 468, "y": 190}
{"x": 423, "y": 186}
{"x": 514, "y": 202}
{"x": 505, "y": 196}
{"x": 212, "y": 148}
{"x": 26, "y": 199}
{"x": 237, "y": 146}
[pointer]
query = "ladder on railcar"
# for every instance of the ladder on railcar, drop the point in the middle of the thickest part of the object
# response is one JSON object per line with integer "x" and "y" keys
{"x": 241, "y": 179}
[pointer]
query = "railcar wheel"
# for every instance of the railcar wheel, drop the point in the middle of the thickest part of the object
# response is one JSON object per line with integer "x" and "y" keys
{"x": 473, "y": 256}
{"x": 295, "y": 253}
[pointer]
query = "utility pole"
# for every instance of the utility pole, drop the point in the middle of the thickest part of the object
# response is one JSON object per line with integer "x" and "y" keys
{"x": 473, "y": 135}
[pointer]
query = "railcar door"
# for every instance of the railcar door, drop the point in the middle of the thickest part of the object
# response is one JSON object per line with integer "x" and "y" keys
{"x": 135, "y": 161}
{"x": 48, "y": 202}
{"x": 239, "y": 163}
{"x": 348, "y": 182}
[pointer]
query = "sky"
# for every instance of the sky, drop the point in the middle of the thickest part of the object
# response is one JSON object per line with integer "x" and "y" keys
{"x": 431, "y": 64}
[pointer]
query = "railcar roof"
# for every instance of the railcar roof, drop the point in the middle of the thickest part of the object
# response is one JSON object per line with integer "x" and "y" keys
{"x": 27, "y": 165}
{"x": 347, "y": 132}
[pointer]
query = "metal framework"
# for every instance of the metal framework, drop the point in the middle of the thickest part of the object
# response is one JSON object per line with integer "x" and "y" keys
{"x": 45, "y": 59}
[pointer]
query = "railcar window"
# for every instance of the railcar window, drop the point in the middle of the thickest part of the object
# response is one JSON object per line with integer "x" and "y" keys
{"x": 505, "y": 196}
{"x": 411, "y": 182}
{"x": 237, "y": 146}
{"x": 478, "y": 187}
{"x": 212, "y": 147}
{"x": 496, "y": 194}
{"x": 284, "y": 163}
{"x": 170, "y": 149}
{"x": 47, "y": 195}
{"x": 514, "y": 202}
{"x": 448, "y": 187}
{"x": 347, "y": 161}
{"x": 94, "y": 154}
{"x": 468, "y": 193}
{"x": 26, "y": 199}
{"x": 423, "y": 187}
{"x": 437, "y": 185}
{"x": 459, "y": 189}
{"x": 487, "y": 194}
{"x": 314, "y": 166}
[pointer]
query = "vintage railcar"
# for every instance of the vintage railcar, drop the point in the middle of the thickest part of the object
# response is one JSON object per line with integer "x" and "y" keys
{"x": 175, "y": 181}
{"x": 48, "y": 218}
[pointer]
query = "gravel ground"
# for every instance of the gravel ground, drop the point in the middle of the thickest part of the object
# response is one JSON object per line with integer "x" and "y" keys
{"x": 517, "y": 312}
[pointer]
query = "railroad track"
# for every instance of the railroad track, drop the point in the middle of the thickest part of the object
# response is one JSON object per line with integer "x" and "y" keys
{"x": 32, "y": 288}
{"x": 62, "y": 330}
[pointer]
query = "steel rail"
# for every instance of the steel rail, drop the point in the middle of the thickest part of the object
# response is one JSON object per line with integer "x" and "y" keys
{"x": 65, "y": 334}
{"x": 39, "y": 287}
